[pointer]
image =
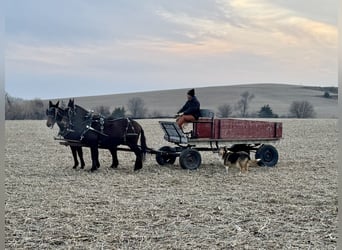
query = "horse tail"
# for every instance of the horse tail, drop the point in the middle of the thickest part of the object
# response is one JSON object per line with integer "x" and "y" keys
{"x": 143, "y": 143}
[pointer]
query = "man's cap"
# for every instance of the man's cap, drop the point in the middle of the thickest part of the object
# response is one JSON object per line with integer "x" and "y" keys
{"x": 191, "y": 92}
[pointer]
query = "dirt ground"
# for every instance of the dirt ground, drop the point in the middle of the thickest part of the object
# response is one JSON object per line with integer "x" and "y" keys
{"x": 49, "y": 205}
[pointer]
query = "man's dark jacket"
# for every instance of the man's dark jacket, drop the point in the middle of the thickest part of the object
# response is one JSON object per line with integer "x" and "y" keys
{"x": 191, "y": 107}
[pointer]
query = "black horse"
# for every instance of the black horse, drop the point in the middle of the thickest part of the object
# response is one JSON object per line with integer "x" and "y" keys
{"x": 95, "y": 131}
{"x": 56, "y": 114}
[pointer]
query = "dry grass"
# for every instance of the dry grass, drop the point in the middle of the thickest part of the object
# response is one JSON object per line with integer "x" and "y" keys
{"x": 51, "y": 206}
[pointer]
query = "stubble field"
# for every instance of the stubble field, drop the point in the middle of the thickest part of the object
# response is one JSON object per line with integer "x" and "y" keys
{"x": 49, "y": 205}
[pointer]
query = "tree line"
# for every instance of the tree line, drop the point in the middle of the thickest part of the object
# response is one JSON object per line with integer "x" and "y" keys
{"x": 297, "y": 109}
{"x": 19, "y": 109}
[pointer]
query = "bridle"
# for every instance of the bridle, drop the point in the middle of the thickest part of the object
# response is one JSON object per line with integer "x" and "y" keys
{"x": 52, "y": 113}
{"x": 56, "y": 114}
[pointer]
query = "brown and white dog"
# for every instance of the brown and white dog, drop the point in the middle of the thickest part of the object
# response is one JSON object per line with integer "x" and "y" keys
{"x": 240, "y": 160}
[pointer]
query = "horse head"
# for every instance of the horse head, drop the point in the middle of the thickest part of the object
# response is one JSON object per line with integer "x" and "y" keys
{"x": 75, "y": 112}
{"x": 51, "y": 113}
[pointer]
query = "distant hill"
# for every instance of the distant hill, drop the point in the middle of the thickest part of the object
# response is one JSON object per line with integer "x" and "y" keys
{"x": 278, "y": 96}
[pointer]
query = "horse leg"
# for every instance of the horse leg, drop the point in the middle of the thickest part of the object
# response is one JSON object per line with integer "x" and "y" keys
{"x": 95, "y": 158}
{"x": 80, "y": 155}
{"x": 139, "y": 159}
{"x": 74, "y": 155}
{"x": 115, "y": 161}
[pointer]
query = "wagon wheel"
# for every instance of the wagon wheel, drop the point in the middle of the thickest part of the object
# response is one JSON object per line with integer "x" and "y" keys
{"x": 166, "y": 156}
{"x": 268, "y": 155}
{"x": 190, "y": 159}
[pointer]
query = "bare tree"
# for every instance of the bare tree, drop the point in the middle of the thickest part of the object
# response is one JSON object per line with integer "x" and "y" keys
{"x": 302, "y": 109}
{"x": 137, "y": 108}
{"x": 8, "y": 104}
{"x": 243, "y": 103}
{"x": 8, "y": 99}
{"x": 224, "y": 110}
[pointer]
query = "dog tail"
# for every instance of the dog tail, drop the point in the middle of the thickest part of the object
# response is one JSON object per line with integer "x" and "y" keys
{"x": 255, "y": 163}
{"x": 260, "y": 162}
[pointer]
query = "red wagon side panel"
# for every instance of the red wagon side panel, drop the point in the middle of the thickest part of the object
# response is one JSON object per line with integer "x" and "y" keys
{"x": 237, "y": 129}
{"x": 204, "y": 128}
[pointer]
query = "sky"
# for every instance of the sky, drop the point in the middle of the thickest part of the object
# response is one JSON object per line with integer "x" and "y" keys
{"x": 63, "y": 48}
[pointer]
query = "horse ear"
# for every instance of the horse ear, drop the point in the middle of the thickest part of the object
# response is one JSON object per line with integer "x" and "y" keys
{"x": 50, "y": 104}
{"x": 57, "y": 104}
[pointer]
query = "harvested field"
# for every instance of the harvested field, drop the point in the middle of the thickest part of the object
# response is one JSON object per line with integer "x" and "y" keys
{"x": 49, "y": 205}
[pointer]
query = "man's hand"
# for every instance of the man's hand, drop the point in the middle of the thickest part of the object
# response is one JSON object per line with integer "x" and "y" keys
{"x": 179, "y": 114}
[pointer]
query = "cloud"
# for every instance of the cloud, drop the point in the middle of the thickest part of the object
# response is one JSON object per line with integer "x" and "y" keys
{"x": 248, "y": 26}
{"x": 259, "y": 28}
{"x": 168, "y": 43}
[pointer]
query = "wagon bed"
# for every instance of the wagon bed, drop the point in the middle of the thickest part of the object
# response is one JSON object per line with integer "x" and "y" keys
{"x": 224, "y": 130}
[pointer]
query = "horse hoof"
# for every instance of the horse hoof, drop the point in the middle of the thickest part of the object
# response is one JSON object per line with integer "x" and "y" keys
{"x": 93, "y": 169}
{"x": 137, "y": 168}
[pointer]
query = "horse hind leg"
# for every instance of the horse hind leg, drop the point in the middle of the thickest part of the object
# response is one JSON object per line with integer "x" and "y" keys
{"x": 80, "y": 155}
{"x": 139, "y": 157}
{"x": 74, "y": 155}
{"x": 115, "y": 161}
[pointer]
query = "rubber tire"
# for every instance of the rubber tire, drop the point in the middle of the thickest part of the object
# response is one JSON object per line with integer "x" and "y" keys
{"x": 268, "y": 155}
{"x": 190, "y": 159}
{"x": 163, "y": 160}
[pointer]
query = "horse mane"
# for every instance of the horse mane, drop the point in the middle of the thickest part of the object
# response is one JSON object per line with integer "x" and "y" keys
{"x": 81, "y": 108}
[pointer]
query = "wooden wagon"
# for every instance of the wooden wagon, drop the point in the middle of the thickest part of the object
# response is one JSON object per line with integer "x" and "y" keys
{"x": 241, "y": 134}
